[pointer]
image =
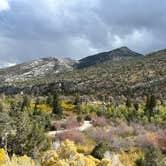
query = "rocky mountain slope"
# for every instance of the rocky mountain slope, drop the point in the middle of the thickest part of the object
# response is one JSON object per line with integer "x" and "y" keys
{"x": 36, "y": 69}
{"x": 42, "y": 68}
{"x": 135, "y": 76}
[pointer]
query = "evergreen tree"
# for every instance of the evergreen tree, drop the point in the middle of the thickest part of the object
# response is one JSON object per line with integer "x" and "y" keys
{"x": 136, "y": 106}
{"x": 49, "y": 100}
{"x": 128, "y": 102}
{"x": 77, "y": 103}
{"x": 99, "y": 150}
{"x": 26, "y": 103}
{"x": 1, "y": 106}
{"x": 29, "y": 137}
{"x": 150, "y": 105}
{"x": 36, "y": 104}
{"x": 57, "y": 109}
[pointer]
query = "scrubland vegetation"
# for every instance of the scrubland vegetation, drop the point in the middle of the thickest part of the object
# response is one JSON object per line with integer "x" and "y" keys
{"x": 130, "y": 133}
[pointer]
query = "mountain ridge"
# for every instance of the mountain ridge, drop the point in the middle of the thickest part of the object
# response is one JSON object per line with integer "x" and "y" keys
{"x": 116, "y": 54}
{"x": 136, "y": 76}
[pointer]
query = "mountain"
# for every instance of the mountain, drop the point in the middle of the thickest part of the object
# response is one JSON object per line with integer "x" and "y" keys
{"x": 115, "y": 55}
{"x": 36, "y": 69}
{"x": 41, "y": 68}
{"x": 133, "y": 75}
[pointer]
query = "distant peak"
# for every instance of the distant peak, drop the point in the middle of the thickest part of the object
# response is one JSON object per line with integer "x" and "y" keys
{"x": 123, "y": 48}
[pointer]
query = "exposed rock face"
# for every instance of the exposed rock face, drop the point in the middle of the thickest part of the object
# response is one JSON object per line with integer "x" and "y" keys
{"x": 48, "y": 66}
{"x": 36, "y": 68}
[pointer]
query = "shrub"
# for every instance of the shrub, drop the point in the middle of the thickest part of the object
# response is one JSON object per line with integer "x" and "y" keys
{"x": 117, "y": 144}
{"x": 68, "y": 124}
{"x": 153, "y": 156}
{"x": 99, "y": 150}
{"x": 80, "y": 119}
{"x": 146, "y": 140}
{"x": 122, "y": 129}
{"x": 72, "y": 135}
{"x": 29, "y": 137}
{"x": 5, "y": 160}
{"x": 99, "y": 134}
{"x": 68, "y": 155}
{"x": 67, "y": 106}
{"x": 99, "y": 121}
{"x": 129, "y": 158}
{"x": 155, "y": 139}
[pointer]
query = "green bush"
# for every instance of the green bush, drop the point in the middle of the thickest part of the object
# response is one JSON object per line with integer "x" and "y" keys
{"x": 99, "y": 150}
{"x": 152, "y": 157}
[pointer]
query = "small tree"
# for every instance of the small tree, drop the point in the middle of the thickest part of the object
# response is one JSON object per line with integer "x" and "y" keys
{"x": 153, "y": 157}
{"x": 136, "y": 106}
{"x": 26, "y": 103}
{"x": 128, "y": 102}
{"x": 49, "y": 100}
{"x": 1, "y": 106}
{"x": 99, "y": 150}
{"x": 29, "y": 137}
{"x": 77, "y": 103}
{"x": 36, "y": 104}
{"x": 150, "y": 105}
{"x": 57, "y": 109}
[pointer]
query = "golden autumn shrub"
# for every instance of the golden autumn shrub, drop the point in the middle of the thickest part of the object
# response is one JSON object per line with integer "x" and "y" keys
{"x": 129, "y": 158}
{"x": 85, "y": 149}
{"x": 67, "y": 106}
{"x": 67, "y": 155}
{"x": 15, "y": 160}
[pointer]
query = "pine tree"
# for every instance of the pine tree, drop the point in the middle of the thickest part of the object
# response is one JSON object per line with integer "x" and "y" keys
{"x": 136, "y": 106}
{"x": 35, "y": 107}
{"x": 128, "y": 102}
{"x": 25, "y": 103}
{"x": 1, "y": 106}
{"x": 57, "y": 109}
{"x": 150, "y": 105}
{"x": 49, "y": 100}
{"x": 77, "y": 103}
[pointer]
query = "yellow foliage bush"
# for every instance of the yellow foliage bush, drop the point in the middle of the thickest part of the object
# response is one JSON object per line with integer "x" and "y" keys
{"x": 67, "y": 155}
{"x": 130, "y": 157}
{"x": 84, "y": 149}
{"x": 67, "y": 106}
{"x": 105, "y": 162}
{"x": 42, "y": 107}
{"x": 15, "y": 161}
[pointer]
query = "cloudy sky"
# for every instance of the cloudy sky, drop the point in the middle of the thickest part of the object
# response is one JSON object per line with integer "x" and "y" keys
{"x": 31, "y": 29}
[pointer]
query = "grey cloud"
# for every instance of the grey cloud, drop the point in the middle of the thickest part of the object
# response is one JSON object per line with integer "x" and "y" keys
{"x": 33, "y": 29}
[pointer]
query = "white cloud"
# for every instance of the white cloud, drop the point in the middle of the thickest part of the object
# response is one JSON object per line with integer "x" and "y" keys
{"x": 4, "y": 5}
{"x": 139, "y": 39}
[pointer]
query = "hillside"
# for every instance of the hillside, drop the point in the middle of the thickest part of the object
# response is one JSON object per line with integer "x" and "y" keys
{"x": 134, "y": 76}
{"x": 36, "y": 69}
{"x": 114, "y": 55}
{"x": 41, "y": 68}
